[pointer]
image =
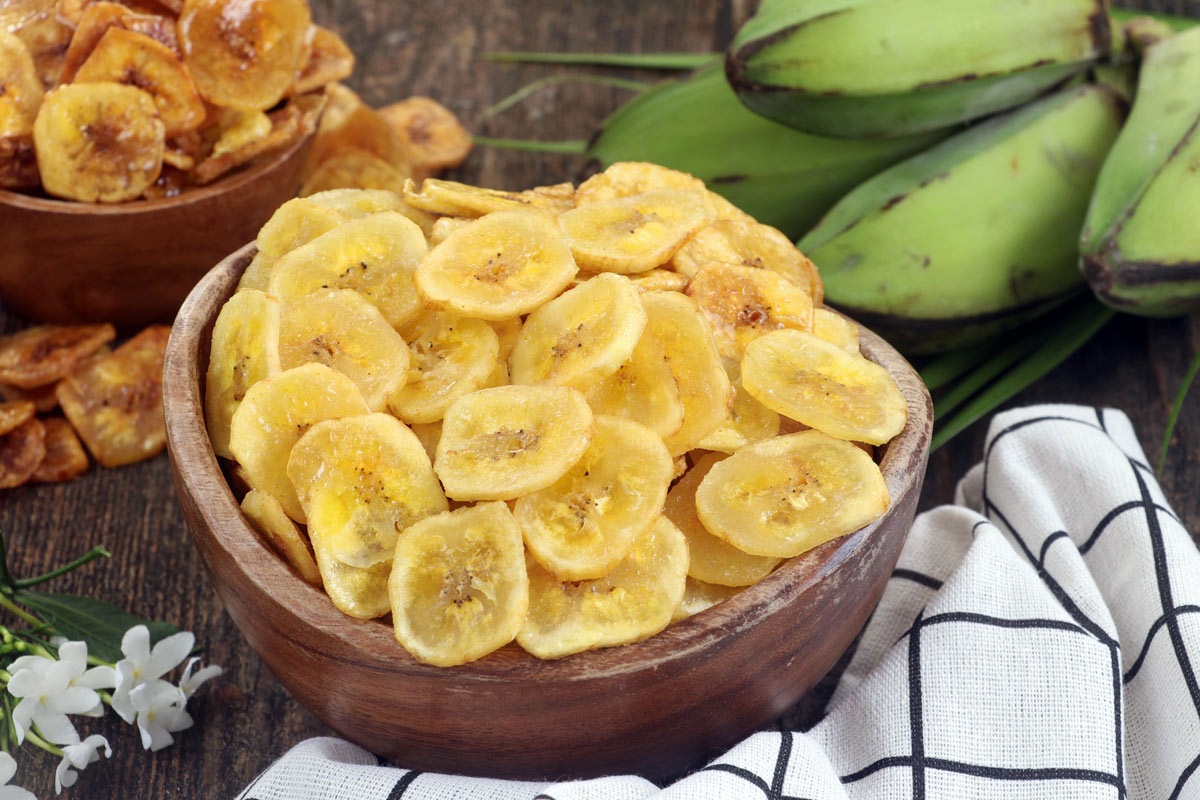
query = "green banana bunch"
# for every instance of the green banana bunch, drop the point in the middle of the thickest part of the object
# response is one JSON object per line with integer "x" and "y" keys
{"x": 778, "y": 175}
{"x": 1141, "y": 239}
{"x": 976, "y": 235}
{"x": 870, "y": 68}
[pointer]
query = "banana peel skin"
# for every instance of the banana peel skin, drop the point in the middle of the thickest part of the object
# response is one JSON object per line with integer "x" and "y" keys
{"x": 976, "y": 235}
{"x": 780, "y": 176}
{"x": 1140, "y": 244}
{"x": 878, "y": 68}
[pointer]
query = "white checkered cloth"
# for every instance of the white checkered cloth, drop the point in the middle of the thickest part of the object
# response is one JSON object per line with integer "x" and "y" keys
{"x": 1038, "y": 640}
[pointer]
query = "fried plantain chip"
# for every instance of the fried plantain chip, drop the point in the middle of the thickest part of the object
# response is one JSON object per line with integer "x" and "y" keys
{"x": 354, "y": 168}
{"x": 64, "y": 459}
{"x": 269, "y": 519}
{"x": 21, "y": 451}
{"x": 287, "y": 124}
{"x": 36, "y": 23}
{"x": 14, "y": 413}
{"x": 115, "y": 401}
{"x": 96, "y": 20}
{"x": 329, "y": 60}
{"x": 20, "y": 88}
{"x": 352, "y": 123}
{"x": 436, "y": 139}
{"x": 45, "y": 353}
{"x": 43, "y": 398}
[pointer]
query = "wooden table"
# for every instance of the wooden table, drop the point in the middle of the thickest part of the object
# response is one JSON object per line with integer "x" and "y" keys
{"x": 245, "y": 719}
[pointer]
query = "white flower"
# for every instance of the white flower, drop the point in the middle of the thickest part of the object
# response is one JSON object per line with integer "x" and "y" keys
{"x": 159, "y": 713}
{"x": 143, "y": 666}
{"x": 8, "y": 768}
{"x": 52, "y": 689}
{"x": 189, "y": 683}
{"x": 79, "y": 755}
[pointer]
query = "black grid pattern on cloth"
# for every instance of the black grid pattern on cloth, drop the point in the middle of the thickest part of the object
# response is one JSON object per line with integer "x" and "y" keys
{"x": 774, "y": 790}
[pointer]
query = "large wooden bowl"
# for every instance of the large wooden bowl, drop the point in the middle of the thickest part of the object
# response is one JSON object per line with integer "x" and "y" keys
{"x": 655, "y": 707}
{"x": 133, "y": 263}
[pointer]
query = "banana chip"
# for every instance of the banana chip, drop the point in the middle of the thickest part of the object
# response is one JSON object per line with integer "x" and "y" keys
{"x": 329, "y": 60}
{"x": 45, "y": 353}
{"x": 642, "y": 389}
{"x": 42, "y": 397}
{"x": 36, "y": 24}
{"x": 20, "y": 90}
{"x": 18, "y": 163}
{"x": 743, "y": 303}
{"x": 712, "y": 559}
{"x": 98, "y": 18}
{"x": 269, "y": 519}
{"x": 444, "y": 226}
{"x": 821, "y": 385}
{"x": 427, "y": 434}
{"x": 784, "y": 496}
{"x": 21, "y": 451}
{"x": 633, "y": 602}
{"x": 458, "y": 587}
{"x": 583, "y": 524}
{"x": 436, "y": 139}
{"x": 507, "y": 330}
{"x": 354, "y": 168}
{"x": 273, "y": 416}
{"x": 245, "y": 350}
{"x": 835, "y": 328}
{"x": 660, "y": 280}
{"x": 628, "y": 178}
{"x": 634, "y": 233}
{"x": 749, "y": 244}
{"x": 115, "y": 400}
{"x": 361, "y": 481}
{"x": 375, "y": 256}
{"x": 449, "y": 356}
{"x": 98, "y": 142}
{"x": 286, "y": 125}
{"x": 451, "y": 199}
{"x": 297, "y": 222}
{"x": 238, "y": 129}
{"x": 499, "y": 444}
{"x": 356, "y": 592}
{"x": 501, "y": 266}
{"x": 354, "y": 124}
{"x": 749, "y": 420}
{"x": 14, "y": 414}
{"x": 580, "y": 337}
{"x": 244, "y": 55}
{"x": 64, "y": 459}
{"x": 356, "y": 203}
{"x": 700, "y": 596}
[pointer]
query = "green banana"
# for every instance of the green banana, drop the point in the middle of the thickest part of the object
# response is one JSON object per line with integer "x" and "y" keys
{"x": 777, "y": 175}
{"x": 870, "y": 68}
{"x": 977, "y": 234}
{"x": 1141, "y": 238}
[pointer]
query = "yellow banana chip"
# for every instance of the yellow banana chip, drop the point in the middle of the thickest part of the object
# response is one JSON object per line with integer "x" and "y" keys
{"x": 297, "y": 222}
{"x": 36, "y": 23}
{"x": 819, "y": 384}
{"x": 743, "y": 303}
{"x": 428, "y": 434}
{"x": 237, "y": 129}
{"x": 633, "y": 602}
{"x": 507, "y": 330}
{"x": 700, "y": 596}
{"x": 286, "y": 125}
{"x": 436, "y": 139}
{"x": 273, "y": 416}
{"x": 634, "y": 233}
{"x": 582, "y": 525}
{"x": 97, "y": 18}
{"x": 356, "y": 592}
{"x": 835, "y": 328}
{"x": 786, "y": 495}
{"x": 245, "y": 350}
{"x": 354, "y": 168}
{"x": 361, "y": 481}
{"x": 712, "y": 559}
{"x": 580, "y": 337}
{"x": 444, "y": 226}
{"x": 452, "y": 199}
{"x": 340, "y": 329}
{"x": 21, "y": 89}
{"x": 64, "y": 459}
{"x": 660, "y": 280}
{"x": 355, "y": 125}
{"x": 329, "y": 60}
{"x": 627, "y": 178}
{"x": 375, "y": 256}
{"x": 498, "y": 444}
{"x": 269, "y": 519}
{"x": 356, "y": 203}
{"x": 458, "y": 588}
{"x": 450, "y": 356}
{"x": 750, "y": 244}
{"x": 501, "y": 266}
{"x": 749, "y": 420}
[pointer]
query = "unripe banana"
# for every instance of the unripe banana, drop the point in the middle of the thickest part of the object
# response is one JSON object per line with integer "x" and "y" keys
{"x": 975, "y": 235}
{"x": 1141, "y": 240}
{"x": 869, "y": 68}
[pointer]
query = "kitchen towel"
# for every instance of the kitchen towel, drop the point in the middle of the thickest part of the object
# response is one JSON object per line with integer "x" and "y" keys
{"x": 1039, "y": 639}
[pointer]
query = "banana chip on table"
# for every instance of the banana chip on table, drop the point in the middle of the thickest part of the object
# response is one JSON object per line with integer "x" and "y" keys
{"x": 582, "y": 525}
{"x": 819, "y": 384}
{"x": 633, "y": 602}
{"x": 635, "y": 233}
{"x": 14, "y": 414}
{"x": 458, "y": 586}
{"x": 700, "y": 596}
{"x": 21, "y": 451}
{"x": 500, "y": 266}
{"x": 43, "y": 354}
{"x": 580, "y": 337}
{"x": 244, "y": 351}
{"x": 273, "y": 416}
{"x": 750, "y": 244}
{"x": 784, "y": 496}
{"x": 436, "y": 139}
{"x": 498, "y": 444}
{"x": 743, "y": 303}
{"x": 43, "y": 398}
{"x": 21, "y": 90}
{"x": 64, "y": 459}
{"x": 712, "y": 559}
{"x": 269, "y": 519}
{"x": 329, "y": 60}
{"x": 835, "y": 328}
{"x": 449, "y": 356}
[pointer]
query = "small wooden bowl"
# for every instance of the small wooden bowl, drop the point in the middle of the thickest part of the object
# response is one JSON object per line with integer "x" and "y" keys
{"x": 133, "y": 263}
{"x": 655, "y": 708}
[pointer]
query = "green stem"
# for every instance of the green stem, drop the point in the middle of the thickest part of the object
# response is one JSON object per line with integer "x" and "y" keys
{"x": 6, "y": 578}
{"x": 91, "y": 555}
{"x": 7, "y": 602}
{"x": 984, "y": 374}
{"x": 571, "y": 146}
{"x": 1180, "y": 396}
{"x": 554, "y": 80}
{"x": 33, "y": 738}
{"x": 948, "y": 366}
{"x": 663, "y": 61}
{"x": 1176, "y": 23}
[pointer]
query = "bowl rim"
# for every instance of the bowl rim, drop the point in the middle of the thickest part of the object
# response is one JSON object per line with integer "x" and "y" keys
{"x": 200, "y": 476}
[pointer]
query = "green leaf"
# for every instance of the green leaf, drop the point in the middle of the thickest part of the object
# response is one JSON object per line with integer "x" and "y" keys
{"x": 945, "y": 368}
{"x": 555, "y": 80}
{"x": 573, "y": 146}
{"x": 664, "y": 61}
{"x": 1175, "y": 23}
{"x": 100, "y": 624}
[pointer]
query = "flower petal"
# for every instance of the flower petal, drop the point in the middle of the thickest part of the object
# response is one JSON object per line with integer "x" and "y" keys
{"x": 64, "y": 776}
{"x": 98, "y": 678}
{"x": 59, "y": 676}
{"x": 8, "y": 767}
{"x": 169, "y": 654}
{"x": 73, "y": 700}
{"x": 75, "y": 654}
{"x": 54, "y": 726}
{"x": 26, "y": 683}
{"x": 16, "y": 793}
{"x": 174, "y": 719}
{"x": 22, "y": 715}
{"x": 154, "y": 736}
{"x": 36, "y": 663}
{"x": 135, "y": 644}
{"x": 190, "y": 683}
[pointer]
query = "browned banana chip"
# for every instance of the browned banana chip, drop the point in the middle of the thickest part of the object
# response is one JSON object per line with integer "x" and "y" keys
{"x": 743, "y": 303}
{"x": 353, "y": 123}
{"x": 177, "y": 159}
{"x": 42, "y": 354}
{"x": 131, "y": 58}
{"x": 732, "y": 241}
{"x": 36, "y": 23}
{"x": 329, "y": 60}
{"x": 14, "y": 413}
{"x": 43, "y": 398}
{"x": 245, "y": 54}
{"x": 70, "y": 12}
{"x": 436, "y": 139}
{"x": 20, "y": 88}
{"x": 635, "y": 233}
{"x": 354, "y": 168}
{"x": 21, "y": 451}
{"x": 18, "y": 163}
{"x": 287, "y": 124}
{"x": 170, "y": 183}
{"x": 64, "y": 459}
{"x": 115, "y": 401}
{"x": 98, "y": 142}
{"x": 96, "y": 21}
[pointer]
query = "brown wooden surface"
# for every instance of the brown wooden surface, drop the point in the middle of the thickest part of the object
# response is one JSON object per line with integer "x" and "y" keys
{"x": 245, "y": 718}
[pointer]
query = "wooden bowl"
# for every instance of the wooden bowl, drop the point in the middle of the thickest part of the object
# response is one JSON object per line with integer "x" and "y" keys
{"x": 654, "y": 708}
{"x": 133, "y": 263}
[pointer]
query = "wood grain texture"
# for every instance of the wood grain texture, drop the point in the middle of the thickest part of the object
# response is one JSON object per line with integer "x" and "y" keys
{"x": 245, "y": 719}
